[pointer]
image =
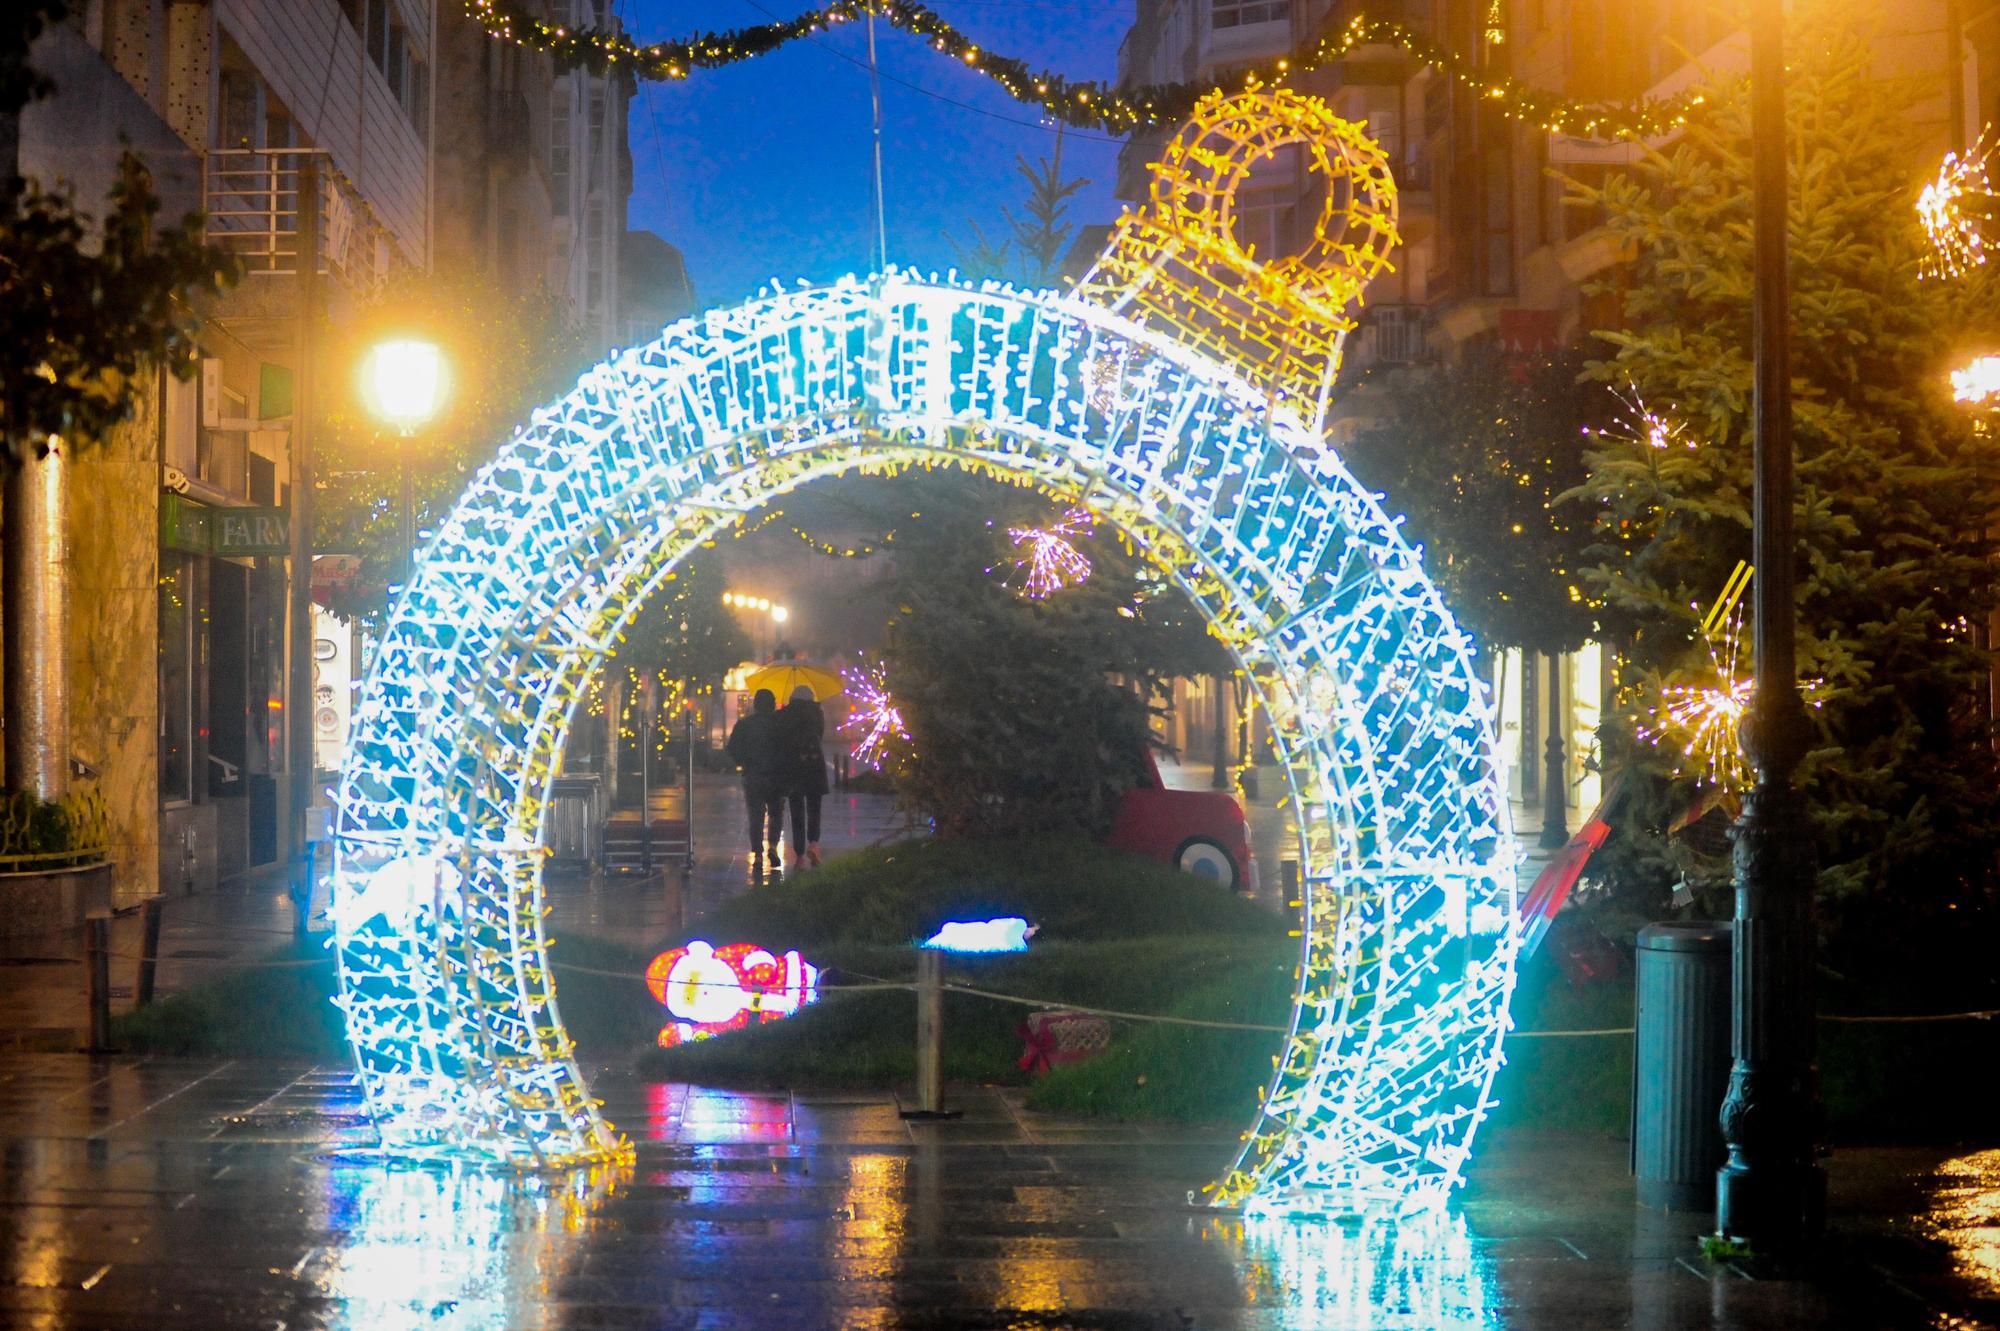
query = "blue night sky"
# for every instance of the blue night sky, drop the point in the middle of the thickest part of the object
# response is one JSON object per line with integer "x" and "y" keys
{"x": 762, "y": 170}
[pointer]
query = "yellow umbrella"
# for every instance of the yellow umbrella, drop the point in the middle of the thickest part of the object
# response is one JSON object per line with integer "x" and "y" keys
{"x": 783, "y": 677}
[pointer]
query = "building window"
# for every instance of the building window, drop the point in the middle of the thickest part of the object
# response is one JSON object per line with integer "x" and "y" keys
{"x": 593, "y": 258}
{"x": 559, "y": 150}
{"x": 378, "y": 33}
{"x": 1242, "y": 13}
{"x": 177, "y": 670}
{"x": 1265, "y": 221}
{"x": 1499, "y": 227}
{"x": 237, "y": 127}
{"x": 396, "y": 68}
{"x": 418, "y": 102}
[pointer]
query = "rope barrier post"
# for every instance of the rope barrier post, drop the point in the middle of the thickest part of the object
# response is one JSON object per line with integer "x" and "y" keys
{"x": 149, "y": 950}
{"x": 97, "y": 978}
{"x": 930, "y": 1038}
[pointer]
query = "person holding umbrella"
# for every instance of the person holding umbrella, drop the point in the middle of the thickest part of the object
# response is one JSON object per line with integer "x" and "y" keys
{"x": 801, "y": 728}
{"x": 755, "y": 744}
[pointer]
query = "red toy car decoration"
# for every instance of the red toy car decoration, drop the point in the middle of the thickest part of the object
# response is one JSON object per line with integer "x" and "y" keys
{"x": 1196, "y": 831}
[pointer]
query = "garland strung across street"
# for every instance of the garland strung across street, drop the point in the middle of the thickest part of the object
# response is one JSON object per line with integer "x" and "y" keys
{"x": 1081, "y": 104}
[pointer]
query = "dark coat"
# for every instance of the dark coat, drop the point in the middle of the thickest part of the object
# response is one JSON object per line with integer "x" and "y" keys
{"x": 801, "y": 727}
{"x": 755, "y": 747}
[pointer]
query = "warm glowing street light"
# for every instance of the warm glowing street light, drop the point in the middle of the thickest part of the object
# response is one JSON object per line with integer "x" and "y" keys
{"x": 1978, "y": 384}
{"x": 403, "y": 382}
{"x": 779, "y": 614}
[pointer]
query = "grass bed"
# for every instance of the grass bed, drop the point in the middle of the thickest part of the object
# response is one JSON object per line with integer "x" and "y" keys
{"x": 1117, "y": 932}
{"x": 1074, "y": 890}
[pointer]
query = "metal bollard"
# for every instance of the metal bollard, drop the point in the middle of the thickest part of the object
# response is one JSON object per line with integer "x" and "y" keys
{"x": 149, "y": 950}
{"x": 300, "y": 889}
{"x": 1555, "y": 797}
{"x": 930, "y": 1038}
{"x": 97, "y": 978}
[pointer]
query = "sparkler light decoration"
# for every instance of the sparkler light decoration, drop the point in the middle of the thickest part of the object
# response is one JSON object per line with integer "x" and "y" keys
{"x": 1377, "y": 713}
{"x": 1052, "y": 562}
{"x": 1704, "y": 720}
{"x": 873, "y": 715}
{"x": 1640, "y": 424}
{"x": 1955, "y": 209}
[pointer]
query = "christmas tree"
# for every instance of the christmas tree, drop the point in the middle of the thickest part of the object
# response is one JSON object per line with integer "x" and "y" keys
{"x": 1892, "y": 502}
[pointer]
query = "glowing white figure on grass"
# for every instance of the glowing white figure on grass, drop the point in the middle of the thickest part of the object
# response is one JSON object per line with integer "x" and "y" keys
{"x": 1010, "y": 933}
{"x": 709, "y": 989}
{"x": 402, "y": 895}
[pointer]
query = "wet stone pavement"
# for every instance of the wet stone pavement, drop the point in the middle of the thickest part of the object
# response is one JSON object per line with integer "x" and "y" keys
{"x": 155, "y": 1193}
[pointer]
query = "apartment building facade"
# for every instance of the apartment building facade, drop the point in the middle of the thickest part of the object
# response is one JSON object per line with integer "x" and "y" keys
{"x": 1492, "y": 255}
{"x": 396, "y": 131}
{"x": 256, "y": 115}
{"x": 590, "y": 181}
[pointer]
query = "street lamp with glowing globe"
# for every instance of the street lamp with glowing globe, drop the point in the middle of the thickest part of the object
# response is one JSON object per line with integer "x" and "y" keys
{"x": 403, "y": 382}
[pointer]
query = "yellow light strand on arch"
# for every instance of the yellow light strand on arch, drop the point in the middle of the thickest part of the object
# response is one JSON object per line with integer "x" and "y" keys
{"x": 1176, "y": 263}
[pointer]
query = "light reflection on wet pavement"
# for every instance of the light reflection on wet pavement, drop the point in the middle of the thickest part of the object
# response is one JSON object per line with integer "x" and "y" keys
{"x": 161, "y": 1193}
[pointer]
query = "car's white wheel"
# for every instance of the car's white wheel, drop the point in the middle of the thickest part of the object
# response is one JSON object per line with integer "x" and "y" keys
{"x": 1207, "y": 859}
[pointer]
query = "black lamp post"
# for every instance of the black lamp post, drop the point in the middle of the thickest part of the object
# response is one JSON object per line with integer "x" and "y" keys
{"x": 1771, "y": 1192}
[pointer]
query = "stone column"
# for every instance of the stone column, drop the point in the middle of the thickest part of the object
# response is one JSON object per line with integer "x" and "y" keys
{"x": 35, "y": 592}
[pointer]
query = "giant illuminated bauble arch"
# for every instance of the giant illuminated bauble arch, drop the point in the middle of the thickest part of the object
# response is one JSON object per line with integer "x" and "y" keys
{"x": 1376, "y": 712}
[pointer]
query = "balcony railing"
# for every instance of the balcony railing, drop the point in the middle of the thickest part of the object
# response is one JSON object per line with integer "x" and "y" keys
{"x": 1395, "y": 334}
{"x": 253, "y": 210}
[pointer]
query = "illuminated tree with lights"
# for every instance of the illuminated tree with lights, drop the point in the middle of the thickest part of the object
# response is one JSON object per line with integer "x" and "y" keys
{"x": 1476, "y": 455}
{"x": 1894, "y": 568}
{"x": 677, "y": 648}
{"x": 1016, "y": 723}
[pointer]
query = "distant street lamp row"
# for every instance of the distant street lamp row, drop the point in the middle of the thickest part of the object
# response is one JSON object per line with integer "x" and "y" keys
{"x": 761, "y": 604}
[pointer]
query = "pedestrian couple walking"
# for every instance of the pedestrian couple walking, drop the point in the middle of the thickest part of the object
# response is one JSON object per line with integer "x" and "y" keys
{"x": 783, "y": 764}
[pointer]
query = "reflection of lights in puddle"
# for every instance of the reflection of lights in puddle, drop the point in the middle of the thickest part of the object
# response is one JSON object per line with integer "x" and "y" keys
{"x": 476, "y": 1248}
{"x": 1414, "y": 1272}
{"x": 665, "y": 1102}
{"x": 1962, "y": 1214}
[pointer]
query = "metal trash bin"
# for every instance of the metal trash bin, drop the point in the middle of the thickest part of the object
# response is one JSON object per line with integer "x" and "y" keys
{"x": 1681, "y": 1065}
{"x": 575, "y": 821}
